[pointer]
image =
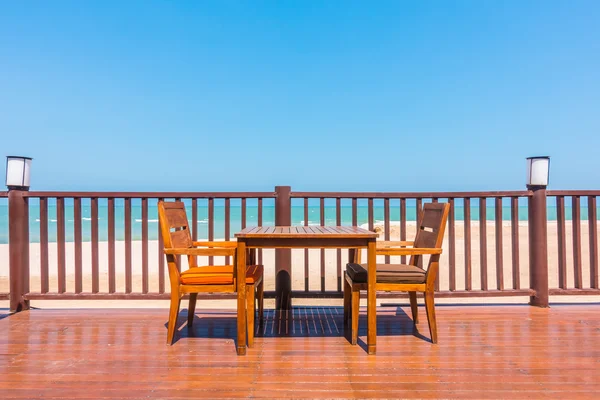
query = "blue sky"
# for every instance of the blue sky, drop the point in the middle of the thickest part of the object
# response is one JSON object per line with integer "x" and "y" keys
{"x": 319, "y": 95}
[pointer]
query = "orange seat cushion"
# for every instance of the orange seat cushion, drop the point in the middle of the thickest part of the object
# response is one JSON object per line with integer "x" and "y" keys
{"x": 219, "y": 275}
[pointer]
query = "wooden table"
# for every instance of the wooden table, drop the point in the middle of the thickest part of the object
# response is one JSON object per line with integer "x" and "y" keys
{"x": 290, "y": 237}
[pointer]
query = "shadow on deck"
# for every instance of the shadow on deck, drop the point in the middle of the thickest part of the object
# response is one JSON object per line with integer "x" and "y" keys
{"x": 483, "y": 352}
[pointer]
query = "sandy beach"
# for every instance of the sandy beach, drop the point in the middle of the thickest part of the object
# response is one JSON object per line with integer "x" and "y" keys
{"x": 314, "y": 266}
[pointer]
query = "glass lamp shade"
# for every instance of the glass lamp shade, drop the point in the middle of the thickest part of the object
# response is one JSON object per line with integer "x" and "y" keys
{"x": 18, "y": 172}
{"x": 538, "y": 171}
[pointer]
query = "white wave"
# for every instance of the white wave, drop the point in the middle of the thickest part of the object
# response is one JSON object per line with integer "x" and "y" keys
{"x": 141, "y": 220}
{"x": 310, "y": 223}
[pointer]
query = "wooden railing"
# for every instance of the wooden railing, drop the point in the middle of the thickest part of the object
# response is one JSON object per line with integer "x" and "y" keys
{"x": 574, "y": 253}
{"x": 86, "y": 249}
{"x": 465, "y": 276}
{"x": 88, "y": 268}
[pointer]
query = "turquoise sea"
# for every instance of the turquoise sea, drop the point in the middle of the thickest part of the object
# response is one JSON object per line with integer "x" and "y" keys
{"x": 268, "y": 216}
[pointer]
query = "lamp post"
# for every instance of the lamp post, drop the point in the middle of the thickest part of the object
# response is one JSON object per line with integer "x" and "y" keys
{"x": 538, "y": 172}
{"x": 17, "y": 181}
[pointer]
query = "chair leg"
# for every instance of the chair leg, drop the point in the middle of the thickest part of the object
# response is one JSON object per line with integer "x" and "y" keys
{"x": 430, "y": 307}
{"x": 250, "y": 310}
{"x": 347, "y": 301}
{"x": 354, "y": 315}
{"x": 192, "y": 309}
{"x": 414, "y": 307}
{"x": 173, "y": 313}
{"x": 260, "y": 294}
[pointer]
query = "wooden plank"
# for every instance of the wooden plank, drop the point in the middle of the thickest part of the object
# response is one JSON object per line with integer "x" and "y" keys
{"x": 154, "y": 195}
{"x": 354, "y": 212}
{"x": 145, "y": 280}
{"x": 128, "y": 266}
{"x": 419, "y": 207}
{"x": 562, "y": 242}
{"x": 178, "y": 257}
{"x": 386, "y": 218}
{"x": 426, "y": 195}
{"x": 227, "y": 224}
{"x": 306, "y": 254}
{"x": 576, "y": 221}
{"x": 370, "y": 209}
{"x": 211, "y": 226}
{"x": 451, "y": 247}
{"x": 260, "y": 210}
{"x": 338, "y": 221}
{"x": 243, "y": 216}
{"x": 195, "y": 220}
{"x": 403, "y": 225}
{"x": 161, "y": 259}
{"x": 112, "y": 274}
{"x": 514, "y": 229}
{"x": 77, "y": 243}
{"x": 437, "y": 281}
{"x": 593, "y": 241}
{"x": 467, "y": 233}
{"x": 322, "y": 212}
{"x": 95, "y": 255}
{"x": 499, "y": 244}
{"x": 309, "y": 232}
{"x": 483, "y": 243}
{"x": 60, "y": 244}
{"x": 44, "y": 245}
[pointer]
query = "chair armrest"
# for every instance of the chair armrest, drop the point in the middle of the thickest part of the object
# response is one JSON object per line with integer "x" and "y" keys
{"x": 388, "y": 243}
{"x": 223, "y": 244}
{"x": 408, "y": 251}
{"x": 201, "y": 252}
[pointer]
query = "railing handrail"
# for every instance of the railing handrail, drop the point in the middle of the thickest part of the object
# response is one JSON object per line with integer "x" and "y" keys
{"x": 296, "y": 194}
{"x": 412, "y": 195}
{"x": 573, "y": 193}
{"x": 151, "y": 195}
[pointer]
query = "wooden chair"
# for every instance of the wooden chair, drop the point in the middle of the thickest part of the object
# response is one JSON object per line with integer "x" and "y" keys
{"x": 203, "y": 279}
{"x": 410, "y": 278}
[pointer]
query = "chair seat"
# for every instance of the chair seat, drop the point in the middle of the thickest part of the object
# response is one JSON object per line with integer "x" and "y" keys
{"x": 219, "y": 275}
{"x": 387, "y": 273}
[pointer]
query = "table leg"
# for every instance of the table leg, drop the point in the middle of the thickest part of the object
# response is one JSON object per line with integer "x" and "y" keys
{"x": 371, "y": 299}
{"x": 241, "y": 297}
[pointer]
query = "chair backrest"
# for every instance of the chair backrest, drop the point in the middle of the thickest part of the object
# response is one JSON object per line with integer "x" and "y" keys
{"x": 175, "y": 229}
{"x": 432, "y": 224}
{"x": 430, "y": 230}
{"x": 174, "y": 225}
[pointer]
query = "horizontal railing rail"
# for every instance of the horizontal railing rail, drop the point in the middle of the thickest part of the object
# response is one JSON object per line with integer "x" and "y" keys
{"x": 155, "y": 195}
{"x": 410, "y": 195}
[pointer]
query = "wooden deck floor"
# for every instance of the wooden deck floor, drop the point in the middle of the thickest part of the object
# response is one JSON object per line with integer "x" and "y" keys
{"x": 483, "y": 352}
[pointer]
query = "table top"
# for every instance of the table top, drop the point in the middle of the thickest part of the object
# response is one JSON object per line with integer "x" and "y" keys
{"x": 297, "y": 232}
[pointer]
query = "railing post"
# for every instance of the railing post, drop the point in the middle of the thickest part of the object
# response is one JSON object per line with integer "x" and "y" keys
{"x": 538, "y": 247}
{"x": 283, "y": 257}
{"x": 18, "y": 238}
